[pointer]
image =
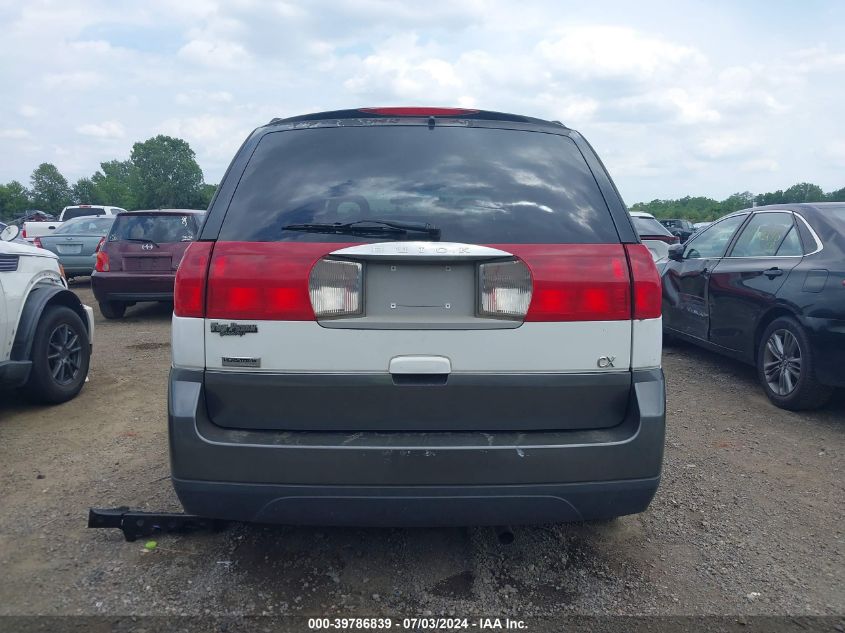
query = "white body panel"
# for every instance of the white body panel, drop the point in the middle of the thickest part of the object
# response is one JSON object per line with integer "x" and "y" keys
{"x": 647, "y": 344}
{"x": 659, "y": 250}
{"x": 187, "y": 342}
{"x": 35, "y": 265}
{"x": 305, "y": 346}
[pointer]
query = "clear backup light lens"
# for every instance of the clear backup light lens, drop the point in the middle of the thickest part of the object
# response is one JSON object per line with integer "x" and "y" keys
{"x": 505, "y": 289}
{"x": 335, "y": 288}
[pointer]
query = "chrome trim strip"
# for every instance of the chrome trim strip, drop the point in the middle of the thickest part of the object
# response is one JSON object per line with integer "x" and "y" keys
{"x": 433, "y": 250}
{"x": 819, "y": 244}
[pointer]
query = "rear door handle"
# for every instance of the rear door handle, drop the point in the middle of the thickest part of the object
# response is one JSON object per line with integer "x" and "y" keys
{"x": 773, "y": 272}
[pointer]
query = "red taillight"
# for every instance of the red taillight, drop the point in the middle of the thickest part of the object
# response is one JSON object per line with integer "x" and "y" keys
{"x": 263, "y": 280}
{"x": 23, "y": 233}
{"x": 37, "y": 242}
{"x": 102, "y": 265}
{"x": 189, "y": 290}
{"x": 648, "y": 291}
{"x": 100, "y": 244}
{"x": 419, "y": 111}
{"x": 576, "y": 282}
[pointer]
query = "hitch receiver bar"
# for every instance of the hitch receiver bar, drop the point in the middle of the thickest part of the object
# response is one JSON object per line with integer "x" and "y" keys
{"x": 135, "y": 523}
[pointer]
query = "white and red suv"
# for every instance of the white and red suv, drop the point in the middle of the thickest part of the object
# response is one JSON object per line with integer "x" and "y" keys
{"x": 416, "y": 316}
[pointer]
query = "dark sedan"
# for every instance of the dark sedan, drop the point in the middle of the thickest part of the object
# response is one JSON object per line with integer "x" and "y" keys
{"x": 139, "y": 258}
{"x": 683, "y": 229}
{"x": 767, "y": 286}
{"x": 76, "y": 242}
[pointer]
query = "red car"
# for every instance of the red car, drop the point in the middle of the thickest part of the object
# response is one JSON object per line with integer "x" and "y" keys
{"x": 138, "y": 259}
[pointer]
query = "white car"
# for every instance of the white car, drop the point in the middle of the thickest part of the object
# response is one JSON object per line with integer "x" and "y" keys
{"x": 656, "y": 237}
{"x": 31, "y": 230}
{"x": 46, "y": 333}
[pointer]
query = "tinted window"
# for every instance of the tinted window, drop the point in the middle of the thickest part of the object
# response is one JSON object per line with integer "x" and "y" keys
{"x": 791, "y": 245}
{"x": 85, "y": 226}
{"x": 77, "y": 212}
{"x": 158, "y": 228}
{"x": 477, "y": 185}
{"x": 649, "y": 226}
{"x": 712, "y": 241}
{"x": 763, "y": 234}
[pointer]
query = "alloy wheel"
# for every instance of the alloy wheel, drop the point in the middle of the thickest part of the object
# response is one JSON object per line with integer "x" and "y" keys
{"x": 782, "y": 362}
{"x": 64, "y": 354}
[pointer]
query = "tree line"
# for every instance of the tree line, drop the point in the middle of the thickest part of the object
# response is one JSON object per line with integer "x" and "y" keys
{"x": 703, "y": 209}
{"x": 161, "y": 172}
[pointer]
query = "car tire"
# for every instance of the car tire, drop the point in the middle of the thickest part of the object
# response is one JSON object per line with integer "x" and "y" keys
{"x": 61, "y": 354}
{"x": 113, "y": 309}
{"x": 786, "y": 367}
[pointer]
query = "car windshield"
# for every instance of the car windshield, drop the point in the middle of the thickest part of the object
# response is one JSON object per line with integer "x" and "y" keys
{"x": 649, "y": 226}
{"x": 477, "y": 185}
{"x": 76, "y": 212}
{"x": 156, "y": 228}
{"x": 85, "y": 226}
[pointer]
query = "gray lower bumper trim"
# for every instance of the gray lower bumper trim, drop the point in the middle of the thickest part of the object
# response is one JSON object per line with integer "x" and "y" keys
{"x": 421, "y": 506}
{"x": 14, "y": 373}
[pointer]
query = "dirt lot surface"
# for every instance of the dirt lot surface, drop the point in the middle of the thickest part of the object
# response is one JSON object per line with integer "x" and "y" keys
{"x": 749, "y": 518}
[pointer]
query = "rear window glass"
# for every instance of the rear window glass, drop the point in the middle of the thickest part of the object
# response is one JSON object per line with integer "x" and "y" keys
{"x": 158, "y": 228}
{"x": 78, "y": 212}
{"x": 476, "y": 185}
{"x": 649, "y": 226}
{"x": 86, "y": 226}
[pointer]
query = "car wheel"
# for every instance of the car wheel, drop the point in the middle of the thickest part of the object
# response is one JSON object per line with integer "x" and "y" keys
{"x": 113, "y": 309}
{"x": 61, "y": 353}
{"x": 786, "y": 367}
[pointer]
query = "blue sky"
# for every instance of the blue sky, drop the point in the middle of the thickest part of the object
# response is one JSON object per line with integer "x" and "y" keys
{"x": 678, "y": 97}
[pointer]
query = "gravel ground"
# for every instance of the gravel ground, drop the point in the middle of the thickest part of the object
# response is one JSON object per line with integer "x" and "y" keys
{"x": 748, "y": 519}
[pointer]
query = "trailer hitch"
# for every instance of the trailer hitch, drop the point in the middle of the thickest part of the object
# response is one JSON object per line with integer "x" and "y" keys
{"x": 135, "y": 523}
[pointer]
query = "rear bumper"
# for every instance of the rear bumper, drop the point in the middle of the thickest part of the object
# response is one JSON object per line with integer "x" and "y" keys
{"x": 78, "y": 264}
{"x": 396, "y": 478}
{"x": 120, "y": 286}
{"x": 827, "y": 336}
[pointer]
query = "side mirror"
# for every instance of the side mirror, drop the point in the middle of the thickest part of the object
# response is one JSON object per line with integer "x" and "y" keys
{"x": 9, "y": 233}
{"x": 676, "y": 252}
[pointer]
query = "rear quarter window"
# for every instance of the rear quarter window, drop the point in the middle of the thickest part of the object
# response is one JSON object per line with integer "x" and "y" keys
{"x": 78, "y": 212}
{"x": 158, "y": 228}
{"x": 478, "y": 185}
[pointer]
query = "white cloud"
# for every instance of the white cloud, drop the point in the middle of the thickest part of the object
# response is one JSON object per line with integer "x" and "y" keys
{"x": 73, "y": 80}
{"x": 674, "y": 101}
{"x": 105, "y": 130}
{"x": 760, "y": 164}
{"x": 215, "y": 54}
{"x": 14, "y": 133}
{"x": 615, "y": 52}
{"x": 725, "y": 145}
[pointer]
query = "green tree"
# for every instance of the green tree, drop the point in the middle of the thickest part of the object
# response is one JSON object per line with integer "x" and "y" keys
{"x": 84, "y": 192}
{"x": 14, "y": 200}
{"x": 113, "y": 184}
{"x": 737, "y": 201}
{"x": 804, "y": 192}
{"x": 836, "y": 196}
{"x": 50, "y": 190}
{"x": 166, "y": 173}
{"x": 206, "y": 194}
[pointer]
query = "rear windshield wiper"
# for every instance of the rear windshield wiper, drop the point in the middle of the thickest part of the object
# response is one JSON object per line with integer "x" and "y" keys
{"x": 368, "y": 228}
{"x": 141, "y": 239}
